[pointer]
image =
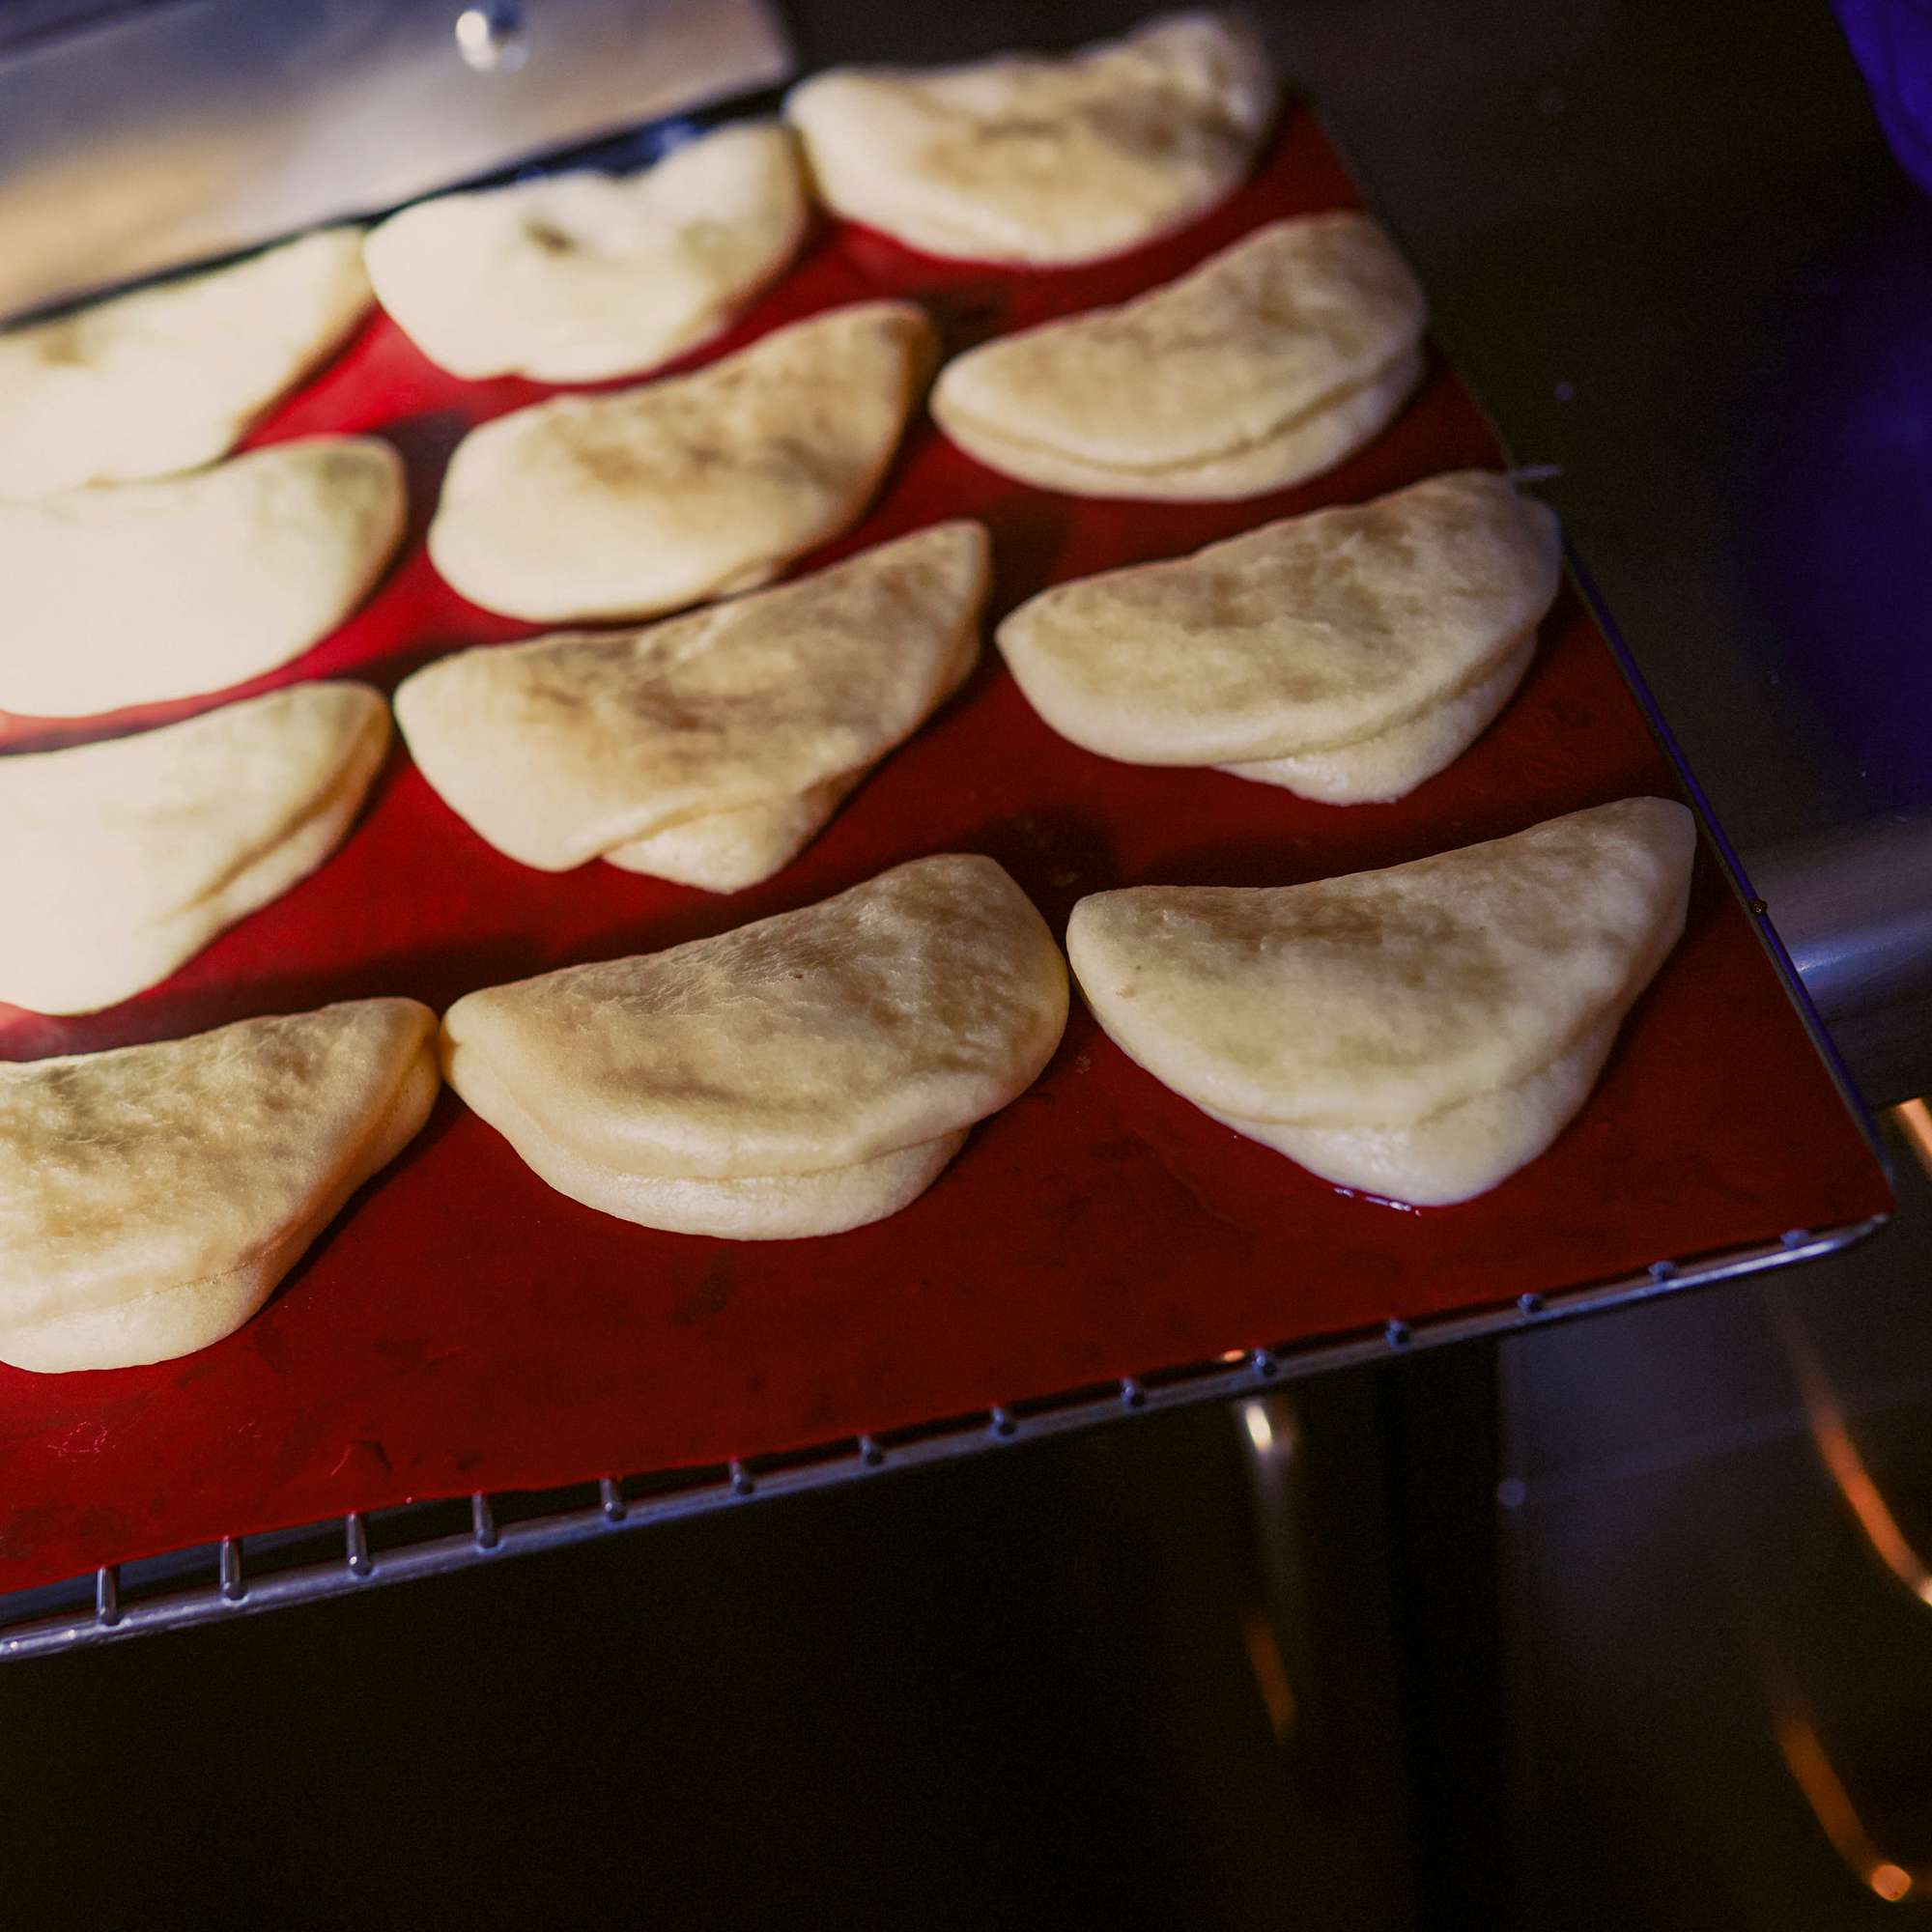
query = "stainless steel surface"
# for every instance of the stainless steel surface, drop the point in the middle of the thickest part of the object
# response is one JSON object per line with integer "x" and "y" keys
{"x": 28, "y": 1630}
{"x": 493, "y": 37}
{"x": 1854, "y": 905}
{"x": 136, "y": 139}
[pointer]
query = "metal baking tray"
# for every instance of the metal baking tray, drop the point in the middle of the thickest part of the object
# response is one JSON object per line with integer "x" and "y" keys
{"x": 464, "y": 1332}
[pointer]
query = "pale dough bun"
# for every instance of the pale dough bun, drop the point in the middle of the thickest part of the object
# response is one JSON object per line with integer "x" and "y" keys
{"x": 1392, "y": 763}
{"x": 142, "y": 592}
{"x": 611, "y": 506}
{"x": 1267, "y": 365}
{"x": 1379, "y": 999}
{"x": 885, "y": 1020}
{"x": 1468, "y": 1149}
{"x": 576, "y": 277}
{"x": 168, "y": 377}
{"x": 708, "y": 747}
{"x": 727, "y": 851}
{"x": 121, "y": 860}
{"x": 1314, "y": 633}
{"x": 1308, "y": 447}
{"x": 152, "y": 1197}
{"x": 1042, "y": 159}
{"x": 1461, "y": 1152}
{"x": 754, "y": 1208}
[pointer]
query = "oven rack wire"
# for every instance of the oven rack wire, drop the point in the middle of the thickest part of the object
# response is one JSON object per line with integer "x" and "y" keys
{"x": 339, "y": 1556}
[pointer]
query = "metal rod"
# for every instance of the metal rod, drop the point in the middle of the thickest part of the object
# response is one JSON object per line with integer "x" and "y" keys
{"x": 1232, "y": 1374}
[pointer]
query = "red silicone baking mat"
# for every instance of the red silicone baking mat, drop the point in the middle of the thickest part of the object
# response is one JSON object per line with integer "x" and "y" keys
{"x": 462, "y": 1327}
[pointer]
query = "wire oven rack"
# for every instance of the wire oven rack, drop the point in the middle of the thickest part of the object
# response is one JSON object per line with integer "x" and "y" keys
{"x": 339, "y": 1554}
{"x": 239, "y": 1576}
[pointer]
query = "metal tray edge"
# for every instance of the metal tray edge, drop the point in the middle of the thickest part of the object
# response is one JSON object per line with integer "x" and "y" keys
{"x": 1736, "y": 876}
{"x": 231, "y": 1593}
